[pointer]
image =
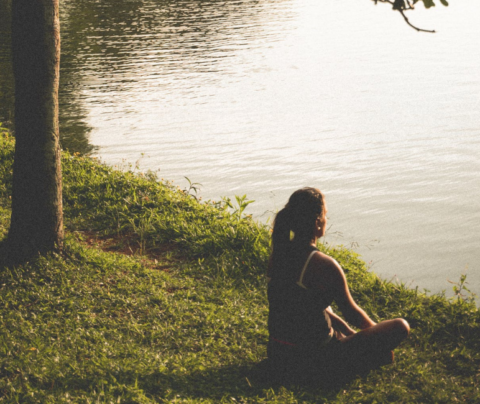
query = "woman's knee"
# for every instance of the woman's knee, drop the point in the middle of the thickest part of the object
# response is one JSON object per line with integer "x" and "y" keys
{"x": 402, "y": 328}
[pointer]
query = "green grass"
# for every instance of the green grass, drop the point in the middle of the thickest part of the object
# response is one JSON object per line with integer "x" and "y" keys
{"x": 182, "y": 317}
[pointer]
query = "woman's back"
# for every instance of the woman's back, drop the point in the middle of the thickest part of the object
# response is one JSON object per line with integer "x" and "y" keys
{"x": 297, "y": 314}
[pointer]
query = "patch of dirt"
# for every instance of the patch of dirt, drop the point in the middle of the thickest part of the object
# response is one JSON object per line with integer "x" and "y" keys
{"x": 161, "y": 257}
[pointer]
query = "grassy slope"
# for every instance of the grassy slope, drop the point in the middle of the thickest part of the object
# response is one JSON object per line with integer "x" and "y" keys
{"x": 188, "y": 324}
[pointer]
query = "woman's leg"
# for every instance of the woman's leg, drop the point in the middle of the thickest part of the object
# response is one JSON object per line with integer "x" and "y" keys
{"x": 386, "y": 335}
{"x": 371, "y": 348}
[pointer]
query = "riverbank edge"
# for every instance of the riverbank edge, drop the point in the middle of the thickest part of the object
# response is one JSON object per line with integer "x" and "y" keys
{"x": 207, "y": 259}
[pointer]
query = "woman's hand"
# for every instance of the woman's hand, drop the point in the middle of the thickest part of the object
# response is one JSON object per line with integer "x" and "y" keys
{"x": 338, "y": 324}
{"x": 349, "y": 331}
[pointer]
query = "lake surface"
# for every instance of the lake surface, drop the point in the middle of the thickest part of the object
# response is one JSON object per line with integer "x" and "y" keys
{"x": 264, "y": 97}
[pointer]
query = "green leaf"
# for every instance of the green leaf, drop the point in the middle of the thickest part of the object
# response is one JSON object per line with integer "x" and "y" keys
{"x": 399, "y": 5}
{"x": 428, "y": 3}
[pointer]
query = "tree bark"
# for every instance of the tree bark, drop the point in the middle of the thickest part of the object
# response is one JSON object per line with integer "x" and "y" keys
{"x": 37, "y": 214}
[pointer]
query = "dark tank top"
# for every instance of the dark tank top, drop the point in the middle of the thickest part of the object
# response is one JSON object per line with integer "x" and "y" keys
{"x": 297, "y": 316}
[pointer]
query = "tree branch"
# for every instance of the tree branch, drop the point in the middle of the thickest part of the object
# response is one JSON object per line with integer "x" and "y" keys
{"x": 401, "y": 6}
{"x": 413, "y": 26}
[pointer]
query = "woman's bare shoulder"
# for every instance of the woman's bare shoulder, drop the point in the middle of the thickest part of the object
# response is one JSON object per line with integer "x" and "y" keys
{"x": 325, "y": 270}
{"x": 324, "y": 261}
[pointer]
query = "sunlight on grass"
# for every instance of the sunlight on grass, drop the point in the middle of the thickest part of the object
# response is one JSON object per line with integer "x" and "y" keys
{"x": 161, "y": 298}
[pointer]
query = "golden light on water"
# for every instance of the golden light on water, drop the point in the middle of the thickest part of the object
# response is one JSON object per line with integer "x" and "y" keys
{"x": 265, "y": 97}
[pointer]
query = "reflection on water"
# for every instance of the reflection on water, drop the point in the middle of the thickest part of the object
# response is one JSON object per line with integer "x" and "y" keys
{"x": 262, "y": 97}
{"x": 72, "y": 115}
{"x": 143, "y": 47}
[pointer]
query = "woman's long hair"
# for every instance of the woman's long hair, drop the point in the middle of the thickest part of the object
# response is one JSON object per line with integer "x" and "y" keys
{"x": 294, "y": 225}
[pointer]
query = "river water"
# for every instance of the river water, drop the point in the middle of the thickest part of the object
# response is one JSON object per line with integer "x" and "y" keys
{"x": 264, "y": 97}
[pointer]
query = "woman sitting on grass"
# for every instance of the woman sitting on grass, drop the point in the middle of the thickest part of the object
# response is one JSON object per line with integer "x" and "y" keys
{"x": 308, "y": 342}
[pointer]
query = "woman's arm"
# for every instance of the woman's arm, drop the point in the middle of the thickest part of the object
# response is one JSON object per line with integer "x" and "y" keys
{"x": 338, "y": 323}
{"x": 341, "y": 295}
{"x": 331, "y": 279}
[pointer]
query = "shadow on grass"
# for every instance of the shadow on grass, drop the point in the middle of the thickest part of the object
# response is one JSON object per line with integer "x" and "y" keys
{"x": 247, "y": 381}
{"x": 239, "y": 382}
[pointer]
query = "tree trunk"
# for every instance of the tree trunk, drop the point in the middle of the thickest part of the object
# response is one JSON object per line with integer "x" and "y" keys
{"x": 37, "y": 217}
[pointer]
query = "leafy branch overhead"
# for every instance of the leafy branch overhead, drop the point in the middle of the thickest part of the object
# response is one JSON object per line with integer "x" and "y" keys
{"x": 404, "y": 5}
